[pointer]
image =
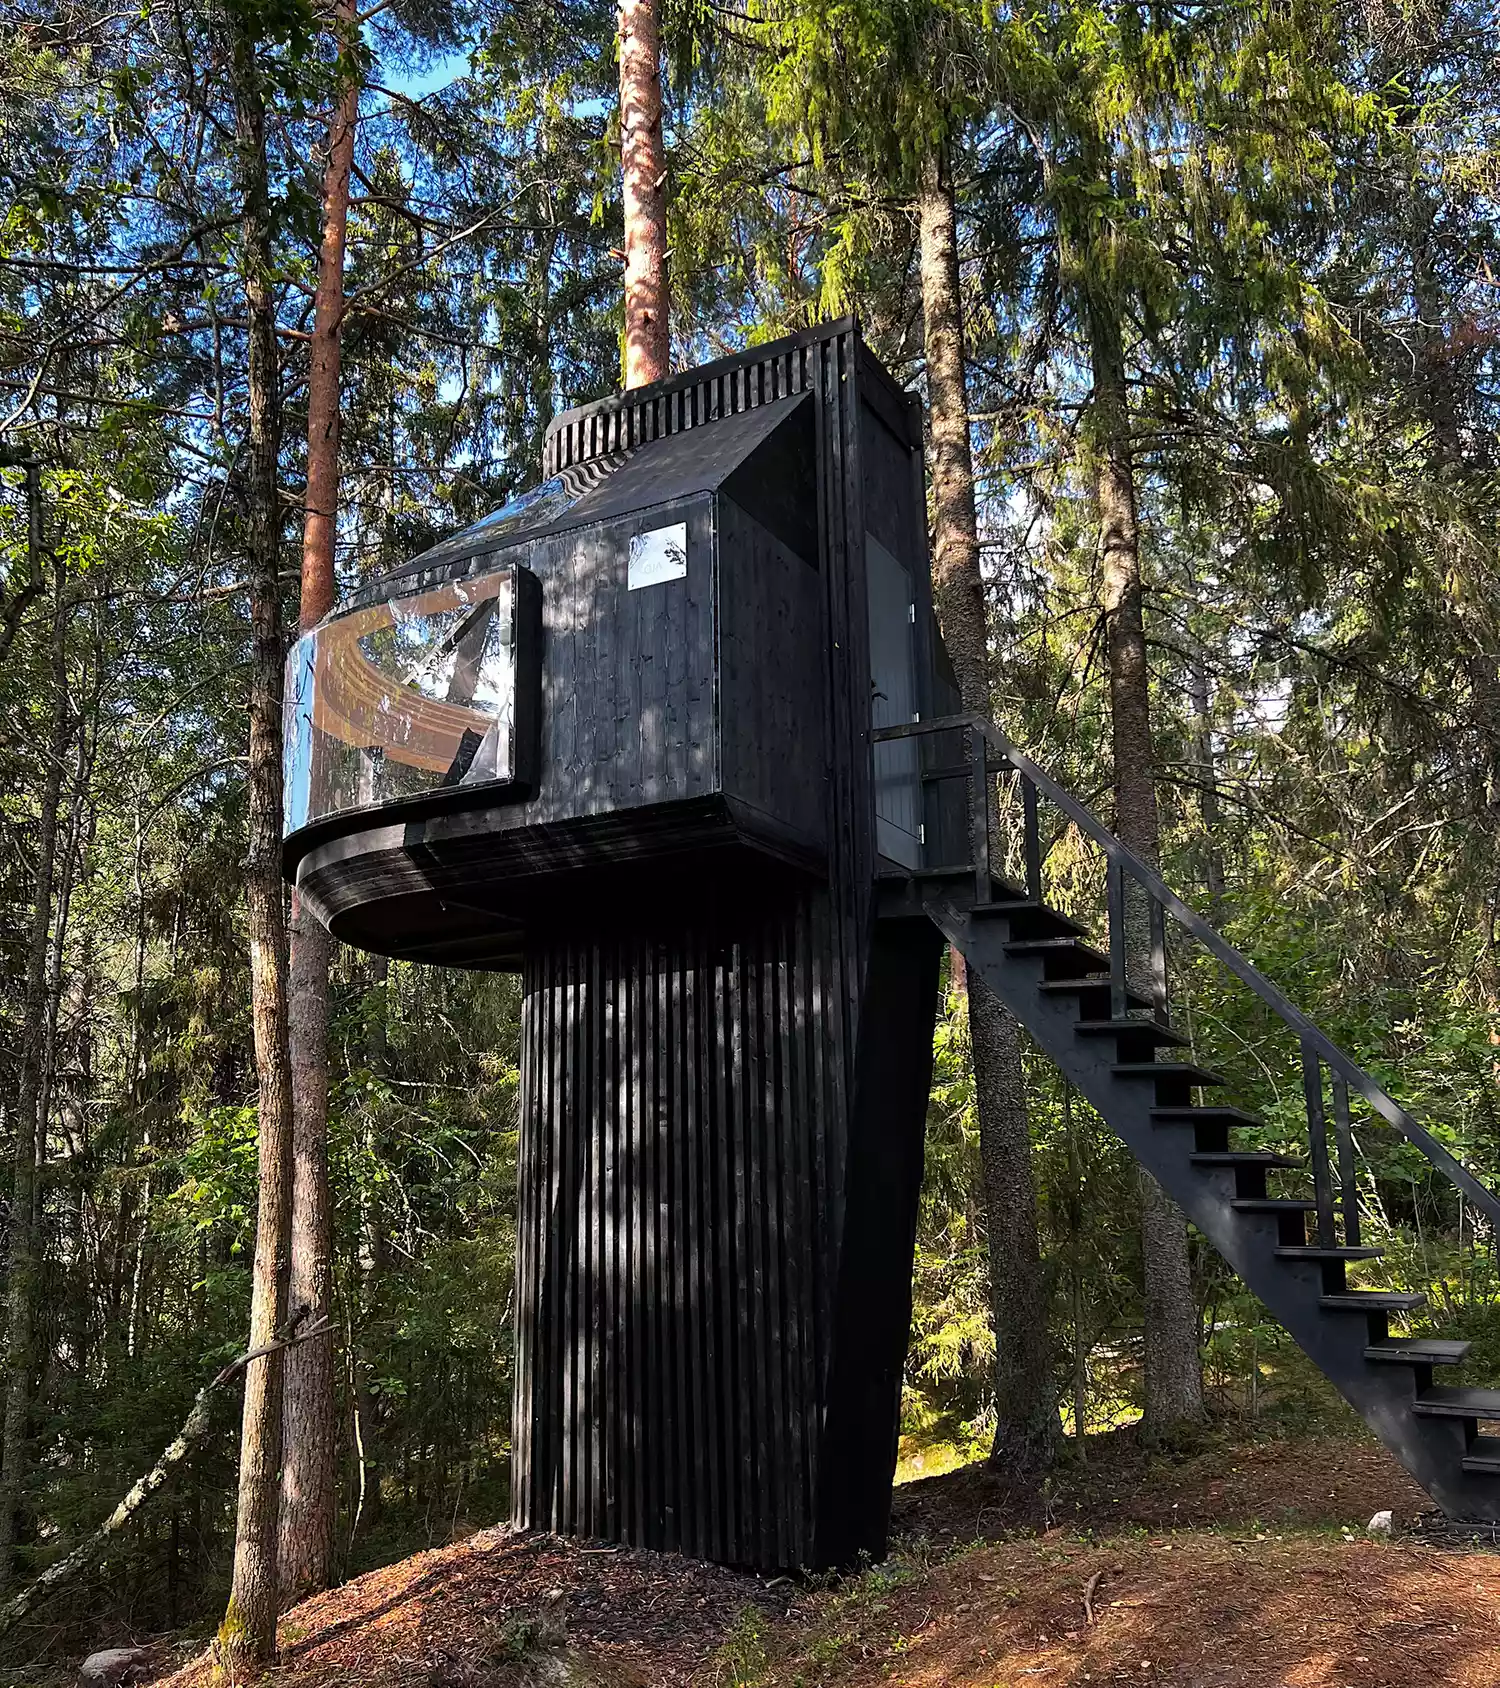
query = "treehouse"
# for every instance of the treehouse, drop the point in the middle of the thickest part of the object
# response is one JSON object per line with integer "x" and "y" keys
{"x": 617, "y": 736}
{"x": 674, "y": 736}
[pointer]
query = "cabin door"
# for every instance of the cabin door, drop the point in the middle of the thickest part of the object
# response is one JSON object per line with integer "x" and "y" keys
{"x": 893, "y": 701}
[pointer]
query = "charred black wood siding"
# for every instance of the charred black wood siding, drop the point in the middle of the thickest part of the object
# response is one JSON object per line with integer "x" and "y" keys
{"x": 828, "y": 362}
{"x": 872, "y": 1316}
{"x": 721, "y": 1114}
{"x": 675, "y": 1283}
{"x": 770, "y": 676}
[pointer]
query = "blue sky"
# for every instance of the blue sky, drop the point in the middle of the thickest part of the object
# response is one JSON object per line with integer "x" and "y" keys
{"x": 446, "y": 68}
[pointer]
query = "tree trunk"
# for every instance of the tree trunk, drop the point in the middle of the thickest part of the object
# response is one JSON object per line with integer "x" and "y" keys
{"x": 643, "y": 169}
{"x": 540, "y": 408}
{"x": 370, "y": 1261}
{"x": 25, "y": 1238}
{"x": 1208, "y": 778}
{"x": 1026, "y": 1427}
{"x": 309, "y": 1471}
{"x": 197, "y": 1424}
{"x": 1174, "y": 1384}
{"x": 247, "y": 1635}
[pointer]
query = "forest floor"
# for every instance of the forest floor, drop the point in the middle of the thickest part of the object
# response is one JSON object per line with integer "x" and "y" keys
{"x": 1245, "y": 1565}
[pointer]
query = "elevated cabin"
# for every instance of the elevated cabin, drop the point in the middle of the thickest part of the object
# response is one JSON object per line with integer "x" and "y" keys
{"x": 620, "y": 672}
{"x": 616, "y": 736}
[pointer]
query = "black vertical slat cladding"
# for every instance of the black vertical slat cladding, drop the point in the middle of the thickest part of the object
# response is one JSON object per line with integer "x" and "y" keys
{"x": 738, "y": 1263}
{"x": 709, "y": 1147}
{"x": 526, "y": 1275}
{"x": 754, "y": 1454}
{"x": 689, "y": 1101}
{"x": 564, "y": 1503}
{"x": 622, "y": 1438}
{"x": 724, "y": 1152}
{"x": 609, "y": 1268}
{"x": 774, "y": 1490}
{"x": 689, "y": 1410}
{"x": 777, "y": 1444}
{"x": 552, "y": 1325}
{"x": 658, "y": 1419}
{"x": 542, "y": 1344}
{"x": 699, "y": 1348}
{"x": 684, "y": 1241}
{"x": 804, "y": 1205}
{"x": 629, "y": 975}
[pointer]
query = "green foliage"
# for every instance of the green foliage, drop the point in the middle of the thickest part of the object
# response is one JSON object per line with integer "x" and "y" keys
{"x": 742, "y": 1659}
{"x": 1288, "y": 213}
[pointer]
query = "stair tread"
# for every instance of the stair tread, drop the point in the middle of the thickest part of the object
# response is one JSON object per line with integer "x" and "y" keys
{"x": 1317, "y": 1251}
{"x": 1274, "y": 1204}
{"x": 1104, "y": 1028}
{"x": 1419, "y": 1350}
{"x": 1483, "y": 1456}
{"x": 959, "y": 871}
{"x": 1058, "y": 946}
{"x": 1373, "y": 1301}
{"x": 1447, "y": 1401}
{"x": 1059, "y": 987}
{"x": 1240, "y": 1157}
{"x": 1024, "y": 905}
{"x": 1208, "y": 1114}
{"x": 1178, "y": 1070}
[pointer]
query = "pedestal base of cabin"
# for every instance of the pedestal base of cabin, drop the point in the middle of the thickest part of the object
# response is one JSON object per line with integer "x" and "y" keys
{"x": 714, "y": 1251}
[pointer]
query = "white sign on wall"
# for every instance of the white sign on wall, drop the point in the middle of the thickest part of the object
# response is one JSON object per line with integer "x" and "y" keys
{"x": 658, "y": 555}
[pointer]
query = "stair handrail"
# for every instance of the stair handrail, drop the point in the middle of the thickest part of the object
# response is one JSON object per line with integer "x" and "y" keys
{"x": 1311, "y": 1036}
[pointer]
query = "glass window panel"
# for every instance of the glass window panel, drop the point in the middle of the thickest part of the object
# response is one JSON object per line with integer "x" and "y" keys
{"x": 401, "y": 699}
{"x": 539, "y": 504}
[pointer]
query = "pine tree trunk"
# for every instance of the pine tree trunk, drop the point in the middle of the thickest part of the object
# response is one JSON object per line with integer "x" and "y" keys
{"x": 247, "y": 1635}
{"x": 540, "y": 408}
{"x": 1174, "y": 1385}
{"x": 309, "y": 1469}
{"x": 1026, "y": 1427}
{"x": 643, "y": 168}
{"x": 25, "y": 1232}
{"x": 370, "y": 1261}
{"x": 1208, "y": 778}
{"x": 309, "y": 1430}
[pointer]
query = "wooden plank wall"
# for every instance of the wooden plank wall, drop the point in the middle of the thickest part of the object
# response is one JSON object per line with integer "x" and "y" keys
{"x": 674, "y": 1283}
{"x": 686, "y": 1118}
{"x": 771, "y": 687}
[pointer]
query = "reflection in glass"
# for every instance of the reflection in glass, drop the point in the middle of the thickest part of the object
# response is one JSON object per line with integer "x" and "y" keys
{"x": 401, "y": 699}
{"x": 531, "y": 508}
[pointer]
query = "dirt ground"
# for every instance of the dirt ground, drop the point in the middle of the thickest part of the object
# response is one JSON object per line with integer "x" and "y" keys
{"x": 1244, "y": 1566}
{"x": 1307, "y": 1481}
{"x": 1190, "y": 1611}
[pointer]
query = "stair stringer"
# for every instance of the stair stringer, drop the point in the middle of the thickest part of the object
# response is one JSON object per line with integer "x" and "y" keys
{"x": 1431, "y": 1450}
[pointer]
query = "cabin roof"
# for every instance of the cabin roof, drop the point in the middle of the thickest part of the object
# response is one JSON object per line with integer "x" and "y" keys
{"x": 683, "y": 465}
{"x": 673, "y": 467}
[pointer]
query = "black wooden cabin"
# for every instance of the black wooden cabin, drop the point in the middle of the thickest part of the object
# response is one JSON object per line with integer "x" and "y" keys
{"x": 617, "y": 736}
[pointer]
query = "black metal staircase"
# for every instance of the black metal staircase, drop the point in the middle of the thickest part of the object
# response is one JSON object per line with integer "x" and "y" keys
{"x": 1107, "y": 1027}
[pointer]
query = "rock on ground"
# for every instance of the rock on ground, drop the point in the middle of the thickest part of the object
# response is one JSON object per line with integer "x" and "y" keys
{"x": 114, "y": 1667}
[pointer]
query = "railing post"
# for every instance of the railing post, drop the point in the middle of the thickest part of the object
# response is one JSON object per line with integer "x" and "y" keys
{"x": 1317, "y": 1135}
{"x": 1343, "y": 1133}
{"x": 1347, "y": 1073}
{"x": 1115, "y": 879}
{"x": 1032, "y": 838}
{"x": 979, "y": 813}
{"x": 1159, "y": 999}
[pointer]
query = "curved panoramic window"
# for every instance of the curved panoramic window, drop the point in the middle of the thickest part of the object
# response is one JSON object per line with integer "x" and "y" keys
{"x": 403, "y": 700}
{"x": 531, "y": 508}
